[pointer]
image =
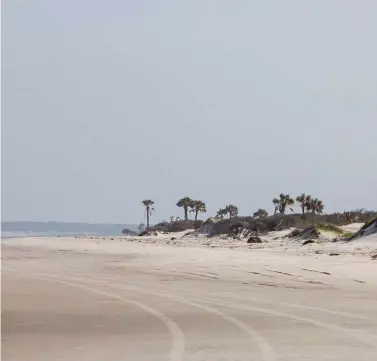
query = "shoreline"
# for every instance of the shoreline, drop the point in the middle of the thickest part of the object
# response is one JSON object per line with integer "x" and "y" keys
{"x": 366, "y": 246}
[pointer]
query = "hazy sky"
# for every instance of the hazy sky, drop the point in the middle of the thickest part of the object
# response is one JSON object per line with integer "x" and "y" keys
{"x": 105, "y": 103}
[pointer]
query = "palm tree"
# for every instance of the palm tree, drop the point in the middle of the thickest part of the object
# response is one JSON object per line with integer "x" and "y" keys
{"x": 198, "y": 206}
{"x": 304, "y": 200}
{"x": 260, "y": 213}
{"x": 232, "y": 210}
{"x": 282, "y": 202}
{"x": 315, "y": 206}
{"x": 221, "y": 213}
{"x": 185, "y": 202}
{"x": 148, "y": 203}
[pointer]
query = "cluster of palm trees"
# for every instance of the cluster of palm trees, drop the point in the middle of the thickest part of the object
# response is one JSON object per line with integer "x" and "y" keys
{"x": 188, "y": 205}
{"x": 310, "y": 204}
{"x": 192, "y": 205}
{"x": 285, "y": 201}
{"x": 307, "y": 203}
{"x": 230, "y": 209}
{"x": 260, "y": 213}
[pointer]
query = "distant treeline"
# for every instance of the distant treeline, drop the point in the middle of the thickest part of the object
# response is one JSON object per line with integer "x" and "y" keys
{"x": 62, "y": 227}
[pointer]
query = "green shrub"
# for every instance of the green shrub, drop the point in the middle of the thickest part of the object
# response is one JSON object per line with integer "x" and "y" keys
{"x": 330, "y": 228}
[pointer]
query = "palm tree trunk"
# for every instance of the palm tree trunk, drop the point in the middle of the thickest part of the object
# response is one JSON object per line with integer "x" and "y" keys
{"x": 196, "y": 215}
{"x": 186, "y": 209}
{"x": 147, "y": 218}
{"x": 303, "y": 209}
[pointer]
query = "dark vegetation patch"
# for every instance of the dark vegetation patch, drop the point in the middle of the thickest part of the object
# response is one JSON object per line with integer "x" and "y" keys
{"x": 309, "y": 241}
{"x": 128, "y": 232}
{"x": 175, "y": 226}
{"x": 254, "y": 239}
{"x": 246, "y": 226}
{"x": 309, "y": 232}
{"x": 308, "y": 224}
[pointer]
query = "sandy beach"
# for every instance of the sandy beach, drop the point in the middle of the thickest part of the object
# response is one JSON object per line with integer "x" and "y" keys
{"x": 189, "y": 181}
{"x": 120, "y": 299}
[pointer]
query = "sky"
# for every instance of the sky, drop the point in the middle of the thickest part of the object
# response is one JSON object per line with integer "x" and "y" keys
{"x": 107, "y": 103}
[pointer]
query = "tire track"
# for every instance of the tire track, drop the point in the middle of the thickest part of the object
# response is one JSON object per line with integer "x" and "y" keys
{"x": 178, "y": 338}
{"x": 284, "y": 303}
{"x": 258, "y": 299}
{"x": 265, "y": 348}
{"x": 363, "y": 338}
{"x": 366, "y": 339}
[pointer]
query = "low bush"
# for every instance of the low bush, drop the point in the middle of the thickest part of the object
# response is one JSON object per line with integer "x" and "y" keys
{"x": 128, "y": 232}
{"x": 176, "y": 226}
{"x": 329, "y": 228}
{"x": 236, "y": 226}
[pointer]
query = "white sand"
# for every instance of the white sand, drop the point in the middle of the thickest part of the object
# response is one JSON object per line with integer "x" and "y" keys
{"x": 145, "y": 300}
{"x": 352, "y": 227}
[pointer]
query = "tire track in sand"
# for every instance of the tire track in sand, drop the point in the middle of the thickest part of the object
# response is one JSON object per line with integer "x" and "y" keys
{"x": 258, "y": 299}
{"x": 283, "y": 303}
{"x": 178, "y": 339}
{"x": 265, "y": 348}
{"x": 366, "y": 339}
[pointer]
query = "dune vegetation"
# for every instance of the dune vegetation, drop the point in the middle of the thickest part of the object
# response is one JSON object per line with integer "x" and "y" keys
{"x": 227, "y": 218}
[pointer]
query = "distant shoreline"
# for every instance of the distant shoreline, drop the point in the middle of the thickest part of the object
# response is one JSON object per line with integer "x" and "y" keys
{"x": 20, "y": 234}
{"x": 20, "y": 229}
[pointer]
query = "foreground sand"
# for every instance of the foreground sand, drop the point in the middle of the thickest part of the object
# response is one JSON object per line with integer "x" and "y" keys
{"x": 102, "y": 299}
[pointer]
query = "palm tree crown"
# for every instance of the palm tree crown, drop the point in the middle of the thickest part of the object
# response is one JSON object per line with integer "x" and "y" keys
{"x": 304, "y": 200}
{"x": 282, "y": 202}
{"x": 260, "y": 213}
{"x": 315, "y": 206}
{"x": 232, "y": 210}
{"x": 221, "y": 213}
{"x": 198, "y": 206}
{"x": 185, "y": 203}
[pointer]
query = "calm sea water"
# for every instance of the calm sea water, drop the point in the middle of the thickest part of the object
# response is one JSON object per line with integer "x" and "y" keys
{"x": 7, "y": 235}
